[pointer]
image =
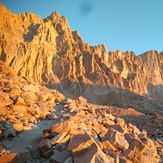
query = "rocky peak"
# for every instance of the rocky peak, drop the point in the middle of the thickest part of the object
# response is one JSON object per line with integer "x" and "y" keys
{"x": 77, "y": 36}
{"x": 56, "y": 17}
{"x": 60, "y": 23}
{"x": 52, "y": 54}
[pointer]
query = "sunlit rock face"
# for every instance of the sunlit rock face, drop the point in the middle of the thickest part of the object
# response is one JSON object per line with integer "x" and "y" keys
{"x": 48, "y": 51}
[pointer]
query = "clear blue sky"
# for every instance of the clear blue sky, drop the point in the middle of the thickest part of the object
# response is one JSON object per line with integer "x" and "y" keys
{"x": 135, "y": 25}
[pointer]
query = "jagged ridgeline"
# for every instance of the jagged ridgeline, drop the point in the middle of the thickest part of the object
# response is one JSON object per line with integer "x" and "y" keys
{"x": 50, "y": 53}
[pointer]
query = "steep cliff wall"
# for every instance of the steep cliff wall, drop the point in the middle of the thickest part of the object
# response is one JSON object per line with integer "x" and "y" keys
{"x": 53, "y": 55}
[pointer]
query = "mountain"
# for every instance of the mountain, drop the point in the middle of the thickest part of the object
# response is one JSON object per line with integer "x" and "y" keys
{"x": 50, "y": 53}
{"x": 43, "y": 123}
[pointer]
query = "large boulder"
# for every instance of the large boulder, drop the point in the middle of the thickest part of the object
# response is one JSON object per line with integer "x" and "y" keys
{"x": 85, "y": 149}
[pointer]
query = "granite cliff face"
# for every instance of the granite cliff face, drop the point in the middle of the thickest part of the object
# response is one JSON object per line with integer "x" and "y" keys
{"x": 53, "y": 55}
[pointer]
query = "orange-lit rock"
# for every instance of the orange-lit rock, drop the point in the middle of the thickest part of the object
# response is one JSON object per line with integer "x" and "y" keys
{"x": 49, "y": 52}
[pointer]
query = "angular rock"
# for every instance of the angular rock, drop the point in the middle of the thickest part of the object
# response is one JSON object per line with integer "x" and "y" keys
{"x": 29, "y": 98}
{"x": 15, "y": 92}
{"x": 8, "y": 158}
{"x": 58, "y": 138}
{"x": 48, "y": 153}
{"x": 4, "y": 99}
{"x": 107, "y": 145}
{"x": 31, "y": 110}
{"x": 20, "y": 109}
{"x": 85, "y": 149}
{"x": 19, "y": 102}
{"x": 92, "y": 155}
{"x": 44, "y": 145}
{"x": 135, "y": 143}
{"x": 79, "y": 143}
{"x": 107, "y": 122}
{"x": 120, "y": 121}
{"x": 63, "y": 127}
{"x": 117, "y": 139}
{"x": 32, "y": 120}
{"x": 151, "y": 149}
{"x": 82, "y": 101}
{"x": 30, "y": 88}
{"x": 51, "y": 116}
{"x": 59, "y": 156}
{"x": 134, "y": 129}
{"x": 42, "y": 96}
{"x": 98, "y": 127}
{"x": 119, "y": 128}
{"x": 18, "y": 126}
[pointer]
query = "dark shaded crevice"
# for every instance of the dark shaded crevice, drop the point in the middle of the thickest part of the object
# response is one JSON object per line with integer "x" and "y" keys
{"x": 32, "y": 31}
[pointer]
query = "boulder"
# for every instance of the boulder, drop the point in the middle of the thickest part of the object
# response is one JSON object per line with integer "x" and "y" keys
{"x": 51, "y": 116}
{"x": 59, "y": 156}
{"x": 86, "y": 150}
{"x": 30, "y": 88}
{"x": 120, "y": 121}
{"x": 107, "y": 145}
{"x": 29, "y": 98}
{"x": 136, "y": 143}
{"x": 134, "y": 129}
{"x": 82, "y": 101}
{"x": 42, "y": 96}
{"x": 4, "y": 99}
{"x": 116, "y": 139}
{"x": 119, "y": 128}
{"x": 44, "y": 145}
{"x": 79, "y": 143}
{"x": 18, "y": 126}
{"x": 151, "y": 148}
{"x": 19, "y": 102}
{"x": 92, "y": 155}
{"x": 20, "y": 109}
{"x": 63, "y": 127}
{"x": 15, "y": 92}
{"x": 58, "y": 138}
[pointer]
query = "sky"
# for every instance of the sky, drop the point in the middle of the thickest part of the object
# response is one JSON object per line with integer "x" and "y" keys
{"x": 134, "y": 25}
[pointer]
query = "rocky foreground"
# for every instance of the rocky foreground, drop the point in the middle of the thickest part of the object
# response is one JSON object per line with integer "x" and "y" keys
{"x": 80, "y": 132}
{"x": 95, "y": 135}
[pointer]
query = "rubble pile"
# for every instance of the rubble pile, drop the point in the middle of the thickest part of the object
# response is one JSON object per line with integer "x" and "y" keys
{"x": 89, "y": 134}
{"x": 23, "y": 102}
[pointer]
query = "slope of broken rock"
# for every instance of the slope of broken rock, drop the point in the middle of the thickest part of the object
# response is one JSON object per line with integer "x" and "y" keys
{"x": 90, "y": 133}
{"x": 93, "y": 134}
{"x": 22, "y": 102}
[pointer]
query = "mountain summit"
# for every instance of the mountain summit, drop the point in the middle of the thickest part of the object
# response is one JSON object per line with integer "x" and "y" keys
{"x": 50, "y": 53}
